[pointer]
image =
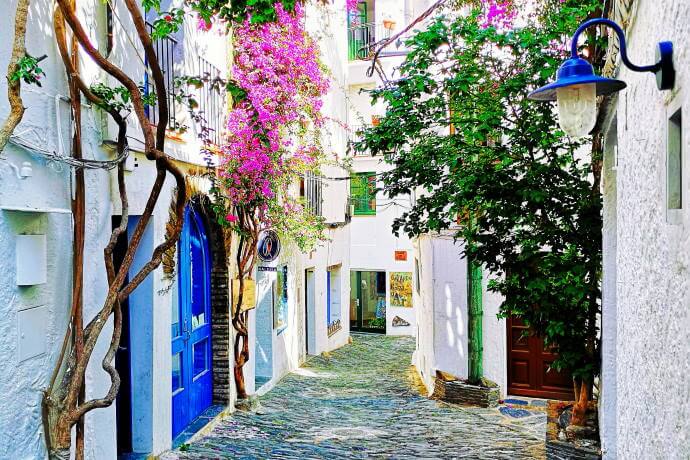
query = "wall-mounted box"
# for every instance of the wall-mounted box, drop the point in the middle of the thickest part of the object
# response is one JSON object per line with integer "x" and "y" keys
{"x": 32, "y": 329}
{"x": 31, "y": 260}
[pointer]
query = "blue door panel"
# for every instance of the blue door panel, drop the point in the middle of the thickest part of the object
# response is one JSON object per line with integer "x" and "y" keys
{"x": 192, "y": 380}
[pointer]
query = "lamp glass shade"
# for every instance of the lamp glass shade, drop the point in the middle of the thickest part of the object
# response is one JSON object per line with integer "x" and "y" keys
{"x": 577, "y": 108}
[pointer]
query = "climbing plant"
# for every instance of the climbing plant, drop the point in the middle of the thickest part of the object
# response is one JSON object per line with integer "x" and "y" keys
{"x": 496, "y": 168}
{"x": 273, "y": 139}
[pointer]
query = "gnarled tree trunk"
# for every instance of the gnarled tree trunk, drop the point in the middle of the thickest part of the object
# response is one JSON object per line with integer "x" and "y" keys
{"x": 14, "y": 87}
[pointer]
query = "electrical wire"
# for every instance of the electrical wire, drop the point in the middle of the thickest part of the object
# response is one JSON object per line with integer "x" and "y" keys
{"x": 53, "y": 156}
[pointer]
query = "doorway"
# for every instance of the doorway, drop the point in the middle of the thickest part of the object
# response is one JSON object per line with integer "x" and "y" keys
{"x": 368, "y": 301}
{"x": 263, "y": 362}
{"x": 528, "y": 366}
{"x": 310, "y": 312}
{"x": 192, "y": 380}
{"x": 123, "y": 402}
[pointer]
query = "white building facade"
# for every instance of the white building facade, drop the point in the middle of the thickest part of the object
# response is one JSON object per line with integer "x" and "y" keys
{"x": 646, "y": 341}
{"x": 381, "y": 274}
{"x": 176, "y": 354}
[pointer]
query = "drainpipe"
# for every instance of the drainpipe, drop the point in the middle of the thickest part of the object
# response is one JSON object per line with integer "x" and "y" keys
{"x": 474, "y": 321}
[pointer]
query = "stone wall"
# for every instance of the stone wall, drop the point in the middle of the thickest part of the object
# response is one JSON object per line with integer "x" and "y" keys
{"x": 459, "y": 392}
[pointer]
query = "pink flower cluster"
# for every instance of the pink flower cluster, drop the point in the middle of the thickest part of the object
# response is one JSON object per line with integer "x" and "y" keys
{"x": 499, "y": 14}
{"x": 351, "y": 5}
{"x": 277, "y": 65}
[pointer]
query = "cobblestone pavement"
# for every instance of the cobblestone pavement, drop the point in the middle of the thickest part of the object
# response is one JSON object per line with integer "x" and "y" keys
{"x": 363, "y": 401}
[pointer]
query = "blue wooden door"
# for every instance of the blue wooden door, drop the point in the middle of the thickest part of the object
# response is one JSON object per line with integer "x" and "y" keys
{"x": 192, "y": 382}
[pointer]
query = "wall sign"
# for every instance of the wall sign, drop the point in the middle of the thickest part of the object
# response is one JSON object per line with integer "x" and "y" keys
{"x": 269, "y": 246}
{"x": 401, "y": 289}
{"x": 401, "y": 256}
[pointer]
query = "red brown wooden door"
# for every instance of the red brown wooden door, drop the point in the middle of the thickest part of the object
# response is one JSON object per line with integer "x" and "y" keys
{"x": 528, "y": 367}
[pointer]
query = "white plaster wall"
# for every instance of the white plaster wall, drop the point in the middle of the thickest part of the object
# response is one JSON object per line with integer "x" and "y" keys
{"x": 653, "y": 256}
{"x": 21, "y": 383}
{"x": 424, "y": 355}
{"x": 608, "y": 397}
{"x": 44, "y": 124}
{"x": 334, "y": 252}
{"x": 441, "y": 310}
{"x": 495, "y": 338}
{"x": 450, "y": 306}
{"x": 373, "y": 244}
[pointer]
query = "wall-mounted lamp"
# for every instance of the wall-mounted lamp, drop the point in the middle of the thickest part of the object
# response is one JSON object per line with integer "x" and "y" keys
{"x": 576, "y": 86}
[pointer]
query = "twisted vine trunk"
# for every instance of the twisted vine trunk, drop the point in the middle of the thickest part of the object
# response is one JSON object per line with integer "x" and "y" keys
{"x": 14, "y": 87}
{"x": 246, "y": 259}
{"x": 63, "y": 401}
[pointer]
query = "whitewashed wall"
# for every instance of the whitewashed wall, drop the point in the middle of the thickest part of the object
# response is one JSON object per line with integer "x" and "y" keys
{"x": 328, "y": 25}
{"x": 653, "y": 285}
{"x": 441, "y": 307}
{"x": 46, "y": 122}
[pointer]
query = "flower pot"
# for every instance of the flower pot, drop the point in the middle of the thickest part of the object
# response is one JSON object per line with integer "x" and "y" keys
{"x": 388, "y": 24}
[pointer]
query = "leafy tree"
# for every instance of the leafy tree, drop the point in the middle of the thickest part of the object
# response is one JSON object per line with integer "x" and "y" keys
{"x": 495, "y": 167}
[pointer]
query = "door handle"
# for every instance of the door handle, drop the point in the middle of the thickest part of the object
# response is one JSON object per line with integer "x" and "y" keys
{"x": 185, "y": 331}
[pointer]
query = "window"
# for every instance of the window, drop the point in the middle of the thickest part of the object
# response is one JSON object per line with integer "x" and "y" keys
{"x": 332, "y": 295}
{"x": 165, "y": 51}
{"x": 674, "y": 162}
{"x": 360, "y": 32}
{"x": 212, "y": 101}
{"x": 109, "y": 27}
{"x": 417, "y": 277}
{"x": 363, "y": 194}
{"x": 311, "y": 189}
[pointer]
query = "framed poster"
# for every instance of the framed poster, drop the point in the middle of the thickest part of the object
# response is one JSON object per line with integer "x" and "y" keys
{"x": 280, "y": 300}
{"x": 401, "y": 289}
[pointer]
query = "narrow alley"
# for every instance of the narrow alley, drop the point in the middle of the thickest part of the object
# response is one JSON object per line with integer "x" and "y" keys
{"x": 362, "y": 402}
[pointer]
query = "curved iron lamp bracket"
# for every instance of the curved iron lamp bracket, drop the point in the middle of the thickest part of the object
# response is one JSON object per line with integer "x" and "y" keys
{"x": 663, "y": 68}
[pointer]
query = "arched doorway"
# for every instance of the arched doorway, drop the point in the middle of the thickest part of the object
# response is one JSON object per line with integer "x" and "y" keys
{"x": 192, "y": 376}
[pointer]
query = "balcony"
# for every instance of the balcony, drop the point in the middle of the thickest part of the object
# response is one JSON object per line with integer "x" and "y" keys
{"x": 354, "y": 136}
{"x": 362, "y": 39}
{"x": 212, "y": 101}
{"x": 165, "y": 51}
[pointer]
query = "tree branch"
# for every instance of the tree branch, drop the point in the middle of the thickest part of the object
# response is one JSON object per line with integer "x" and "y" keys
{"x": 14, "y": 87}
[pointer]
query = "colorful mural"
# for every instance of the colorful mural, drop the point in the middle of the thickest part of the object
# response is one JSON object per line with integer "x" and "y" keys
{"x": 401, "y": 289}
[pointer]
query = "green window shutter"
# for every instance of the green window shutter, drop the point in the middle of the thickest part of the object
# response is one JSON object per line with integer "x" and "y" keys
{"x": 363, "y": 193}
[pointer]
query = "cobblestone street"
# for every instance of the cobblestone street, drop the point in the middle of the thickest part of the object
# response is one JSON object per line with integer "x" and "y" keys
{"x": 363, "y": 402}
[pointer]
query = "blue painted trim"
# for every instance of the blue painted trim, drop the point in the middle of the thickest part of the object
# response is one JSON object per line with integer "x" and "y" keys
{"x": 328, "y": 297}
{"x": 577, "y": 71}
{"x": 196, "y": 393}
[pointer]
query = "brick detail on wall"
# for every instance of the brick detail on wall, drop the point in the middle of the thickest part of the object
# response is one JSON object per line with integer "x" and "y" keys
{"x": 220, "y": 312}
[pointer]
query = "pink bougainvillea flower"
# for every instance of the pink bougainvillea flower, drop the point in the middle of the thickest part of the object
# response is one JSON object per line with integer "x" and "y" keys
{"x": 499, "y": 14}
{"x": 277, "y": 67}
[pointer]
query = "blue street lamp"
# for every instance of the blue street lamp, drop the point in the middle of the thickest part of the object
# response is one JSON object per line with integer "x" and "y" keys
{"x": 577, "y": 87}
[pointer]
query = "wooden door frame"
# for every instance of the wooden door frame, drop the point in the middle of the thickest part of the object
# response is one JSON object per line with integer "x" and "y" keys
{"x": 529, "y": 392}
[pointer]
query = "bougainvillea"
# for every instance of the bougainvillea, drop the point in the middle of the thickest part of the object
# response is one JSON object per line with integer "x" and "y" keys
{"x": 278, "y": 83}
{"x": 498, "y": 13}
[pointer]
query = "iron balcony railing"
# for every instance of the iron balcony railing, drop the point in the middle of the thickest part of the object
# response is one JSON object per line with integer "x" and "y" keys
{"x": 212, "y": 101}
{"x": 313, "y": 193}
{"x": 354, "y": 136}
{"x": 165, "y": 51}
{"x": 364, "y": 38}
